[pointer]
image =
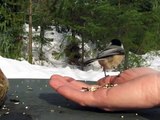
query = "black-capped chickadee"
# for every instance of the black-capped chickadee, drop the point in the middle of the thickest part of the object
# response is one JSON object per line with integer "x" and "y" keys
{"x": 111, "y": 57}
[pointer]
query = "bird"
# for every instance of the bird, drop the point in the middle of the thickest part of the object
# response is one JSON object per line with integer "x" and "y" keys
{"x": 111, "y": 57}
{"x": 4, "y": 85}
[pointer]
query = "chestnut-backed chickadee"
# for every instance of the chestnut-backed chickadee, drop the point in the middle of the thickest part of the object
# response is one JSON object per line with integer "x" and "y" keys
{"x": 111, "y": 57}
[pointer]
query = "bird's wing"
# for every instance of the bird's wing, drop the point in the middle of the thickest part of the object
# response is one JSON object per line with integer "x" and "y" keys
{"x": 110, "y": 51}
{"x": 106, "y": 53}
{"x": 89, "y": 61}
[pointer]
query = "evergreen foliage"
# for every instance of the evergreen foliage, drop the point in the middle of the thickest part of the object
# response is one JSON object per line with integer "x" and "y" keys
{"x": 42, "y": 18}
{"x": 135, "y": 22}
{"x": 100, "y": 21}
{"x": 11, "y": 28}
{"x": 72, "y": 51}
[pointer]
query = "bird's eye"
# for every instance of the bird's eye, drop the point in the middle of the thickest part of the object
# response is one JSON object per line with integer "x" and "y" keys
{"x": 114, "y": 67}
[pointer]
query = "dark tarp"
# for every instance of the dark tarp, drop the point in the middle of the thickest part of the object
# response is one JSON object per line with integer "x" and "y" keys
{"x": 35, "y": 100}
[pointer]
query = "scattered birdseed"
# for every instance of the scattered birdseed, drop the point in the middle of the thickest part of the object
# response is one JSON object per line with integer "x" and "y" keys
{"x": 122, "y": 116}
{"x": 109, "y": 85}
{"x": 26, "y": 107}
{"x": 4, "y": 107}
{"x": 6, "y": 113}
{"x": 51, "y": 110}
{"x": 30, "y": 89}
{"x": 94, "y": 88}
{"x": 59, "y": 106}
{"x": 23, "y": 113}
{"x": 84, "y": 89}
{"x": 16, "y": 101}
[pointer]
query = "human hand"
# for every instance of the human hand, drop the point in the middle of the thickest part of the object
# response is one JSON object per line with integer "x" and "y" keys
{"x": 137, "y": 88}
{"x": 127, "y": 75}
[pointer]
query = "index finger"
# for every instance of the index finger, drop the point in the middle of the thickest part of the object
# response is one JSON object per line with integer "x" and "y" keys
{"x": 126, "y": 75}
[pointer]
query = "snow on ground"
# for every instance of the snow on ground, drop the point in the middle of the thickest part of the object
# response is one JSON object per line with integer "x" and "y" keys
{"x": 22, "y": 69}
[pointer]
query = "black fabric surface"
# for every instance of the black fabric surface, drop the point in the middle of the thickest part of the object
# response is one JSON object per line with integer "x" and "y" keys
{"x": 35, "y": 100}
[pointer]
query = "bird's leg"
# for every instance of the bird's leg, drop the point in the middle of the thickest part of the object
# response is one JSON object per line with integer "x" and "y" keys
{"x": 105, "y": 73}
{"x": 109, "y": 84}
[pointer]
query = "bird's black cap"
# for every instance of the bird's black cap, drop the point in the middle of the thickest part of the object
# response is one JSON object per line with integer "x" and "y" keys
{"x": 116, "y": 42}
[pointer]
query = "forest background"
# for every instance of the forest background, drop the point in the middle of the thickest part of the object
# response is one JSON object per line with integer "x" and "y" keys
{"x": 81, "y": 22}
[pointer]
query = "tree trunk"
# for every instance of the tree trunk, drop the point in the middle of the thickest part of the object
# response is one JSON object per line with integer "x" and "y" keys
{"x": 82, "y": 66}
{"x": 41, "y": 43}
{"x": 119, "y": 3}
{"x": 30, "y": 33}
